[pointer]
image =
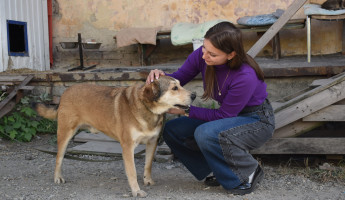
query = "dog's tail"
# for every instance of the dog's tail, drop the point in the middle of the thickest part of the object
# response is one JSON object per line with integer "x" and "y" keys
{"x": 45, "y": 111}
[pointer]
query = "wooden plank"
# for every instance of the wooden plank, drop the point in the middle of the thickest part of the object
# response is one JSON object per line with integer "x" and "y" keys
{"x": 274, "y": 29}
{"x": 12, "y": 78}
{"x": 7, "y": 83}
{"x": 103, "y": 148}
{"x": 311, "y": 101}
{"x": 84, "y": 136}
{"x": 27, "y": 87}
{"x": 320, "y": 82}
{"x": 343, "y": 51}
{"x": 302, "y": 146}
{"x": 310, "y": 105}
{"x": 328, "y": 17}
{"x": 295, "y": 129}
{"x": 14, "y": 92}
{"x": 325, "y": 82}
{"x": 7, "y": 108}
{"x": 330, "y": 113}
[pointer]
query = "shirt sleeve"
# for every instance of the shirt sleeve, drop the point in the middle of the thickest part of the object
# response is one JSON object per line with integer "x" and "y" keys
{"x": 190, "y": 68}
{"x": 239, "y": 93}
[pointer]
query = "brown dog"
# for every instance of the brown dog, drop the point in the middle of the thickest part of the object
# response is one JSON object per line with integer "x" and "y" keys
{"x": 131, "y": 115}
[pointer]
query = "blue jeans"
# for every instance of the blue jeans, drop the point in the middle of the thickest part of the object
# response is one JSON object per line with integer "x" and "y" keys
{"x": 221, "y": 146}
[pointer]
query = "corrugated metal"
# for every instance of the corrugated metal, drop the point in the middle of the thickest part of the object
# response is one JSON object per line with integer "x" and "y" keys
{"x": 34, "y": 12}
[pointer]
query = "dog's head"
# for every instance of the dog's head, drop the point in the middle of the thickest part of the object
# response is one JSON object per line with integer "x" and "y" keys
{"x": 165, "y": 93}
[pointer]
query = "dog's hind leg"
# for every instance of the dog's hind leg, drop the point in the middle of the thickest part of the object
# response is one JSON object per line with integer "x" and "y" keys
{"x": 64, "y": 135}
{"x": 128, "y": 158}
{"x": 151, "y": 146}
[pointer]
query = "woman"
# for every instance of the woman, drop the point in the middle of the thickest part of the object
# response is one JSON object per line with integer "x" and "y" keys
{"x": 219, "y": 140}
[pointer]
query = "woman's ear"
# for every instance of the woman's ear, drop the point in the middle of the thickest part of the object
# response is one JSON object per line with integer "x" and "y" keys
{"x": 231, "y": 55}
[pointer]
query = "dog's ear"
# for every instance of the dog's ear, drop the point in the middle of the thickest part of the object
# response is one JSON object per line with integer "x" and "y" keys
{"x": 152, "y": 91}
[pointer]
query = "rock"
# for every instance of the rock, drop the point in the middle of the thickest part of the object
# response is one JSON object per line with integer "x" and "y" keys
{"x": 326, "y": 166}
{"x": 164, "y": 158}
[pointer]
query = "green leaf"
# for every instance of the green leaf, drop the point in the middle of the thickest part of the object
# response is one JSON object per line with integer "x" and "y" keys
{"x": 27, "y": 136}
{"x": 28, "y": 111}
{"x": 16, "y": 125}
{"x": 13, "y": 134}
{"x": 11, "y": 119}
{"x": 34, "y": 124}
{"x": 25, "y": 100}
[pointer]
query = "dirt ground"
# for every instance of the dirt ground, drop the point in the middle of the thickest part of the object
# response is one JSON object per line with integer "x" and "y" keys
{"x": 27, "y": 174}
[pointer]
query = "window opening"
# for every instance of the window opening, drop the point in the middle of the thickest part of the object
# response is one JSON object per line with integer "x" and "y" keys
{"x": 17, "y": 38}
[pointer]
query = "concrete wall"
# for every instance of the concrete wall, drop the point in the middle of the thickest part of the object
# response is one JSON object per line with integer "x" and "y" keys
{"x": 99, "y": 20}
{"x": 56, "y": 83}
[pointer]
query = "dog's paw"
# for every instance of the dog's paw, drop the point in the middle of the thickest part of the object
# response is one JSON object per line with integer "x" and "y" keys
{"x": 139, "y": 193}
{"x": 59, "y": 180}
{"x": 148, "y": 181}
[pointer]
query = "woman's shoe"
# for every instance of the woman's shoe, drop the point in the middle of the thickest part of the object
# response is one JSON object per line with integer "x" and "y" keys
{"x": 211, "y": 181}
{"x": 246, "y": 188}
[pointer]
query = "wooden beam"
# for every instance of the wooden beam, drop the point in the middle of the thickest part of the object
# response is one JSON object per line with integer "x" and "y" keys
{"x": 295, "y": 129}
{"x": 12, "y": 78}
{"x": 274, "y": 29}
{"x": 343, "y": 37}
{"x": 14, "y": 92}
{"x": 330, "y": 113}
{"x": 7, "y": 108}
{"x": 302, "y": 146}
{"x": 310, "y": 105}
{"x": 310, "y": 102}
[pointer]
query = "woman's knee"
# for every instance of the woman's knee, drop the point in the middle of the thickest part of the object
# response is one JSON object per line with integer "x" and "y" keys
{"x": 204, "y": 136}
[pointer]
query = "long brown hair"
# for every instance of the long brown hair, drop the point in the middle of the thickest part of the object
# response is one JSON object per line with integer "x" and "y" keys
{"x": 227, "y": 38}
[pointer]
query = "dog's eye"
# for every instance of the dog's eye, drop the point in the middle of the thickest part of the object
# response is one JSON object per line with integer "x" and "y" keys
{"x": 175, "y": 88}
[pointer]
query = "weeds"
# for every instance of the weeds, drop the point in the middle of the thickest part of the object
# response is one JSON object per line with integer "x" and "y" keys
{"x": 23, "y": 123}
{"x": 316, "y": 168}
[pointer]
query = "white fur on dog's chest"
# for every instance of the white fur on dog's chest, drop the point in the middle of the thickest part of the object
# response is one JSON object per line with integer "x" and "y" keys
{"x": 142, "y": 137}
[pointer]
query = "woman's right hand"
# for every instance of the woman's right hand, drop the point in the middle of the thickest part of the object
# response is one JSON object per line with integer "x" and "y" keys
{"x": 154, "y": 74}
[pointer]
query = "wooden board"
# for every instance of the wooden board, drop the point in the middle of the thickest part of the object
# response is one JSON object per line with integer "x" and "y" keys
{"x": 328, "y": 17}
{"x": 310, "y": 102}
{"x": 12, "y": 78}
{"x": 302, "y": 146}
{"x": 330, "y": 113}
{"x": 274, "y": 29}
{"x": 7, "y": 108}
{"x": 295, "y": 129}
{"x": 14, "y": 92}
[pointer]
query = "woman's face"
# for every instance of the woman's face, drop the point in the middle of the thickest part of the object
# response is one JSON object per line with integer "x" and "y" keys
{"x": 214, "y": 56}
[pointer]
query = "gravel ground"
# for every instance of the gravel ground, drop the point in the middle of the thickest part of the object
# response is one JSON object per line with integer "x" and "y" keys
{"x": 26, "y": 174}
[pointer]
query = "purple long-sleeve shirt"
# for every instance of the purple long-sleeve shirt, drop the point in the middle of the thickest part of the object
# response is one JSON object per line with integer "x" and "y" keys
{"x": 241, "y": 88}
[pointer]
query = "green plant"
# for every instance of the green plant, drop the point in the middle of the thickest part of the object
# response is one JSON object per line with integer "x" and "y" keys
{"x": 3, "y": 95}
{"x": 23, "y": 123}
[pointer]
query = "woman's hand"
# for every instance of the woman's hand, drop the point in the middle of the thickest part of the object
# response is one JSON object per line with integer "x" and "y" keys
{"x": 176, "y": 111}
{"x": 154, "y": 74}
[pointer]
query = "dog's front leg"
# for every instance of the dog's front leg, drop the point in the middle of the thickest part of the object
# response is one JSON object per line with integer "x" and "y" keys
{"x": 151, "y": 146}
{"x": 128, "y": 158}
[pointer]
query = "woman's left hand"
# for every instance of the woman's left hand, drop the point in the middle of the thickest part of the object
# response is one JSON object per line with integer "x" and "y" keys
{"x": 176, "y": 111}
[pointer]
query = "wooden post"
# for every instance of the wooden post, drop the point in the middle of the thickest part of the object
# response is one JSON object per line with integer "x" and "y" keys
{"x": 343, "y": 37}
